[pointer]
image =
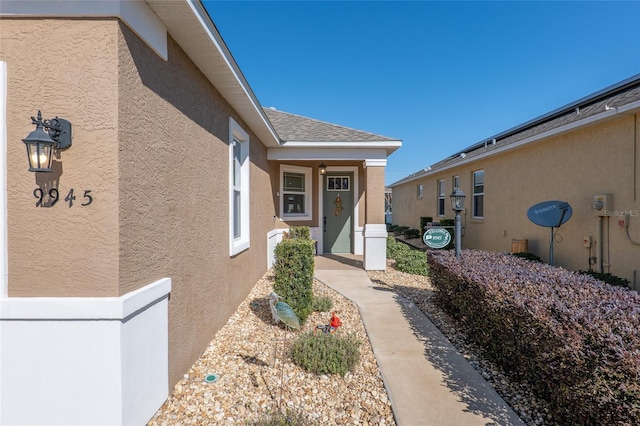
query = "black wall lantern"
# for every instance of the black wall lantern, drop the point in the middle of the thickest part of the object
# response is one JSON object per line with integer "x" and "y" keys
{"x": 323, "y": 168}
{"x": 49, "y": 135}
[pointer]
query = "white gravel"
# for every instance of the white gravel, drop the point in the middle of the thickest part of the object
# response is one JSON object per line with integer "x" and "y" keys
{"x": 250, "y": 386}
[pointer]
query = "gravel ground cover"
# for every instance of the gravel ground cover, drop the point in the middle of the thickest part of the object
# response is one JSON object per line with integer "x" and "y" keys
{"x": 242, "y": 355}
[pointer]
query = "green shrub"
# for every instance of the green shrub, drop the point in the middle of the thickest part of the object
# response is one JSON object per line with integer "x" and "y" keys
{"x": 528, "y": 256}
{"x": 279, "y": 418}
{"x": 411, "y": 233}
{"x": 293, "y": 275}
{"x": 412, "y": 262}
{"x": 326, "y": 353}
{"x": 303, "y": 232}
{"x": 394, "y": 248}
{"x": 423, "y": 224}
{"x": 608, "y": 278}
{"x": 322, "y": 303}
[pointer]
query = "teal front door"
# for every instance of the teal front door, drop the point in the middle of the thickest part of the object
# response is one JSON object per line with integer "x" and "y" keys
{"x": 337, "y": 213}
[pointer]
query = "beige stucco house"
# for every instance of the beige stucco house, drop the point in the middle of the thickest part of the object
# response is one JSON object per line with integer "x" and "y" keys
{"x": 118, "y": 266}
{"x": 585, "y": 153}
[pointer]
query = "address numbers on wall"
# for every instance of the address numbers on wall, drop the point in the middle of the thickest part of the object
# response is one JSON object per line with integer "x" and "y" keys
{"x": 54, "y": 196}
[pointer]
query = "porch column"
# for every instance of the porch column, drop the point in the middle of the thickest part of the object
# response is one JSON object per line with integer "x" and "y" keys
{"x": 375, "y": 230}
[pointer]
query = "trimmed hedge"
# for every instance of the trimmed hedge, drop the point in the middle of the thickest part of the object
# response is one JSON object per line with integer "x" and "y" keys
{"x": 423, "y": 223}
{"x": 293, "y": 273}
{"x": 408, "y": 260}
{"x": 574, "y": 339}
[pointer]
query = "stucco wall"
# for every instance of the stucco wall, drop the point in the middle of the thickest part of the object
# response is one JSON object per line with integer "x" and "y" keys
{"x": 174, "y": 174}
{"x": 66, "y": 68}
{"x": 572, "y": 167}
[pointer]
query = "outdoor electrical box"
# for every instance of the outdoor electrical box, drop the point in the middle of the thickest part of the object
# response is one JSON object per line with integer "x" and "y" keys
{"x": 602, "y": 204}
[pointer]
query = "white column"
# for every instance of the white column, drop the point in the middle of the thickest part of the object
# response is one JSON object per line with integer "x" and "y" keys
{"x": 375, "y": 230}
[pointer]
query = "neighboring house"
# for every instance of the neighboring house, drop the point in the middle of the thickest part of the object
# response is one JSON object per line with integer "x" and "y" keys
{"x": 119, "y": 265}
{"x": 584, "y": 152}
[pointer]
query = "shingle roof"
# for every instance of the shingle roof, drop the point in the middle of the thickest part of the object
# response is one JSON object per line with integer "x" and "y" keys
{"x": 295, "y": 128}
{"x": 610, "y": 98}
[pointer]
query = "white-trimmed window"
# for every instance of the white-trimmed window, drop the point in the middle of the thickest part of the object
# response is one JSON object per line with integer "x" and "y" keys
{"x": 419, "y": 190}
{"x": 295, "y": 192}
{"x": 441, "y": 197}
{"x": 238, "y": 188}
{"x": 478, "y": 194}
{"x": 456, "y": 182}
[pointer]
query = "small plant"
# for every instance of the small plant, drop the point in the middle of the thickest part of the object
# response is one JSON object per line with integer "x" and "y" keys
{"x": 322, "y": 303}
{"x": 528, "y": 256}
{"x": 607, "y": 278}
{"x": 411, "y": 233}
{"x": 394, "y": 248}
{"x": 279, "y": 418}
{"x": 302, "y": 232}
{"x": 412, "y": 262}
{"x": 423, "y": 224}
{"x": 326, "y": 353}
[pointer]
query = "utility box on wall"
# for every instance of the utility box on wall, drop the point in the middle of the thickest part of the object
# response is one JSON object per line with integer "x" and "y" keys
{"x": 602, "y": 204}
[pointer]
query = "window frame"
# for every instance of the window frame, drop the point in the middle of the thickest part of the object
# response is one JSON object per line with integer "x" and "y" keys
{"x": 308, "y": 202}
{"x": 441, "y": 186}
{"x": 477, "y": 195}
{"x": 419, "y": 190}
{"x": 239, "y": 169}
{"x": 455, "y": 181}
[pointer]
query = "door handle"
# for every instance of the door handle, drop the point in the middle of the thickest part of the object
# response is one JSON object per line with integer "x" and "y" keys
{"x": 324, "y": 224}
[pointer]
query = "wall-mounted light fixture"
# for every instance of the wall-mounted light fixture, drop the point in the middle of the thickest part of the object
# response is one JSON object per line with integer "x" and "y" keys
{"x": 323, "y": 168}
{"x": 49, "y": 135}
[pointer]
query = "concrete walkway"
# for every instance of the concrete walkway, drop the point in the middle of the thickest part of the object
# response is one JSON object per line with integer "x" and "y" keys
{"x": 427, "y": 380}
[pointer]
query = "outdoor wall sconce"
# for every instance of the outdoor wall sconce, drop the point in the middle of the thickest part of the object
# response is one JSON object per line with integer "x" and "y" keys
{"x": 457, "y": 203}
{"x": 323, "y": 168}
{"x": 49, "y": 135}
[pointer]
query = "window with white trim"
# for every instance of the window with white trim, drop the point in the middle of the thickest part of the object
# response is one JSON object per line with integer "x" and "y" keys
{"x": 456, "y": 182}
{"x": 441, "y": 197}
{"x": 295, "y": 192}
{"x": 239, "y": 165}
{"x": 419, "y": 190}
{"x": 478, "y": 194}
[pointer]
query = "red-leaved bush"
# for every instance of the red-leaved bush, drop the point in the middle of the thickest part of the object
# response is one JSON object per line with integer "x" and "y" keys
{"x": 574, "y": 339}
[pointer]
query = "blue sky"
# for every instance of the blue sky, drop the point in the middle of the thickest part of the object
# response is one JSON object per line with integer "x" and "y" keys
{"x": 439, "y": 75}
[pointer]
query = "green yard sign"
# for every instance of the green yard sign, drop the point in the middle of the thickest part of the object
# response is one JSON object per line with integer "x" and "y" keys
{"x": 436, "y": 238}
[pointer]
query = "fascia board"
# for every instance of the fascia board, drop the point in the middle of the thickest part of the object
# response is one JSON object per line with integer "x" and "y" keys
{"x": 334, "y": 153}
{"x": 389, "y": 146}
{"x": 229, "y": 84}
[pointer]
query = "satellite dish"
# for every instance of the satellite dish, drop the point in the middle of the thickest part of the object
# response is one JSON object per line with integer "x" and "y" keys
{"x": 550, "y": 214}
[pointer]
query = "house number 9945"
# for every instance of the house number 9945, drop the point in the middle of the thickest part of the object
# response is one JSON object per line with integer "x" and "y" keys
{"x": 54, "y": 197}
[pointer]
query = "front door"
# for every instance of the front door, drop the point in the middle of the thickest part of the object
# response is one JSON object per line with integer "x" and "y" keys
{"x": 337, "y": 212}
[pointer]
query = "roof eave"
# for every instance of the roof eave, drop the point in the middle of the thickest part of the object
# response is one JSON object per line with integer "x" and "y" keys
{"x": 206, "y": 48}
{"x": 390, "y": 146}
{"x": 631, "y": 108}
